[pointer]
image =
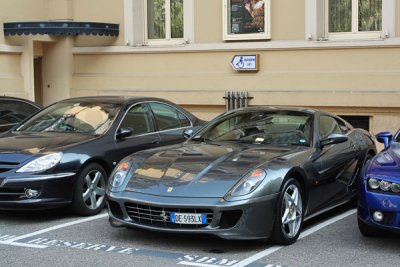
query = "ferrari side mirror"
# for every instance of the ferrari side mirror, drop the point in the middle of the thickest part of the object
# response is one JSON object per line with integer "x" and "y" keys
{"x": 333, "y": 139}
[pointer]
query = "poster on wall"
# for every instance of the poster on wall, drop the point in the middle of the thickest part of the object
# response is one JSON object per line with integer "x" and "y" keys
{"x": 246, "y": 19}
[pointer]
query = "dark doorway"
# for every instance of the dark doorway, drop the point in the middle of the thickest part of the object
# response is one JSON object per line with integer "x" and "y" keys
{"x": 37, "y": 69}
{"x": 358, "y": 121}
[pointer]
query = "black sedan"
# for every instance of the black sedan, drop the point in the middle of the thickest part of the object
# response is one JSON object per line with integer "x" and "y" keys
{"x": 64, "y": 154}
{"x": 254, "y": 173}
{"x": 14, "y": 110}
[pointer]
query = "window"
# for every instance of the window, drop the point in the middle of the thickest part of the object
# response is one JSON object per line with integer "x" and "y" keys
{"x": 152, "y": 22}
{"x": 246, "y": 19}
{"x": 354, "y": 17}
{"x": 164, "y": 19}
{"x": 168, "y": 117}
{"x": 139, "y": 119}
{"x": 328, "y": 126}
{"x": 350, "y": 19}
{"x": 263, "y": 127}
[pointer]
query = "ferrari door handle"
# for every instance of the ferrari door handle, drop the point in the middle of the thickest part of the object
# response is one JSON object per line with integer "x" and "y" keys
{"x": 155, "y": 142}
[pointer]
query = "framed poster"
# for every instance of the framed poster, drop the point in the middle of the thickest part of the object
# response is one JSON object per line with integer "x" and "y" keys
{"x": 246, "y": 19}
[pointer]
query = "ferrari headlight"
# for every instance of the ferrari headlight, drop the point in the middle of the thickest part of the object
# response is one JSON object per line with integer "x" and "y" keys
{"x": 383, "y": 186}
{"x": 119, "y": 174}
{"x": 249, "y": 183}
{"x": 41, "y": 164}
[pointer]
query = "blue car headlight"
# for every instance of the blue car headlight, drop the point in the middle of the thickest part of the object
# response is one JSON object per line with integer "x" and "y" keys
{"x": 119, "y": 174}
{"x": 383, "y": 185}
{"x": 249, "y": 183}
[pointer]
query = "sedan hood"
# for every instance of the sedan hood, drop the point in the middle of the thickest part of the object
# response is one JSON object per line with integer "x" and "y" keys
{"x": 199, "y": 170}
{"x": 18, "y": 147}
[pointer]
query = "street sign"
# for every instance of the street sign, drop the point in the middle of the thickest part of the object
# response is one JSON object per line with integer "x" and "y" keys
{"x": 245, "y": 63}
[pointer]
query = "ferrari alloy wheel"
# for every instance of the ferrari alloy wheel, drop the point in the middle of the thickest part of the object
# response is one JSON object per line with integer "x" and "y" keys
{"x": 90, "y": 189}
{"x": 289, "y": 217}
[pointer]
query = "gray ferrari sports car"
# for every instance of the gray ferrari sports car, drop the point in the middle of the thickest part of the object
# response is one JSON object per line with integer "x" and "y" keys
{"x": 252, "y": 173}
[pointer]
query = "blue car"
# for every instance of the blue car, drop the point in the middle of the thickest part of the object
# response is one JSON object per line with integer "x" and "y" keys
{"x": 379, "y": 189}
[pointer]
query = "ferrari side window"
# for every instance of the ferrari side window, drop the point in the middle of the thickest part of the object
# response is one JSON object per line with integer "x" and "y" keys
{"x": 328, "y": 125}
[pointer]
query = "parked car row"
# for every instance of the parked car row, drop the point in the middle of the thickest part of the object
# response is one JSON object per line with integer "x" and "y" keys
{"x": 252, "y": 173}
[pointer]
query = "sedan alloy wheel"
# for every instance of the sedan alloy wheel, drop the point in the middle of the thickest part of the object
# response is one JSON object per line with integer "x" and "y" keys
{"x": 89, "y": 191}
{"x": 94, "y": 189}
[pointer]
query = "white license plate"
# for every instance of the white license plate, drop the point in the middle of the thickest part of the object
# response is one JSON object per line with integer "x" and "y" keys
{"x": 188, "y": 218}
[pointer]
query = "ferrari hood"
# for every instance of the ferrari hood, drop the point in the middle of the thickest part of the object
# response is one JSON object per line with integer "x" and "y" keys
{"x": 17, "y": 148}
{"x": 199, "y": 170}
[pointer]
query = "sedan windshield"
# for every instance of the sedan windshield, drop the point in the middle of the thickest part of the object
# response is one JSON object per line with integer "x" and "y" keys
{"x": 71, "y": 117}
{"x": 261, "y": 127}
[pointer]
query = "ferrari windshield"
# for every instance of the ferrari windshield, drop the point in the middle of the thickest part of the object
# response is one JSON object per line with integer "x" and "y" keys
{"x": 73, "y": 117}
{"x": 261, "y": 127}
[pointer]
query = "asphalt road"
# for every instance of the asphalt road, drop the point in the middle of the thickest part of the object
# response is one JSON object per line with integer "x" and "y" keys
{"x": 57, "y": 238}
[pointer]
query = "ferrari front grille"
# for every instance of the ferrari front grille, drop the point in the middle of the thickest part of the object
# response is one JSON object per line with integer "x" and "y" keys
{"x": 161, "y": 217}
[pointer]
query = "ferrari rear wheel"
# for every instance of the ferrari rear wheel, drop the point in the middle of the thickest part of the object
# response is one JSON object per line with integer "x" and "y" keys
{"x": 289, "y": 218}
{"x": 90, "y": 190}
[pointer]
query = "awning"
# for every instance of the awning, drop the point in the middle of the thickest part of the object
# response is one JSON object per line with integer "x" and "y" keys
{"x": 60, "y": 28}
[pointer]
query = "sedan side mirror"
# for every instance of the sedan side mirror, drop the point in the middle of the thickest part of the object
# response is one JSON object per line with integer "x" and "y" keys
{"x": 124, "y": 132}
{"x": 333, "y": 139}
{"x": 384, "y": 137}
{"x": 187, "y": 133}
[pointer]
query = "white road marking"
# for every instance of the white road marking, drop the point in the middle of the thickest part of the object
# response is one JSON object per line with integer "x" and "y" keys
{"x": 56, "y": 227}
{"x": 188, "y": 263}
{"x": 18, "y": 244}
{"x": 306, "y": 233}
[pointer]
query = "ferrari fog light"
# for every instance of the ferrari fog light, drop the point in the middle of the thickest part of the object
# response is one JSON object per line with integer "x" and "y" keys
{"x": 385, "y": 185}
{"x": 373, "y": 183}
{"x": 378, "y": 216}
{"x": 395, "y": 187}
{"x": 30, "y": 193}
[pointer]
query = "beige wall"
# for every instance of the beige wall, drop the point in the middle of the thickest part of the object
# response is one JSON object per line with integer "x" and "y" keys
{"x": 11, "y": 81}
{"x": 325, "y": 78}
{"x": 204, "y": 30}
{"x": 100, "y": 11}
{"x": 21, "y": 10}
{"x": 287, "y": 19}
{"x": 397, "y": 19}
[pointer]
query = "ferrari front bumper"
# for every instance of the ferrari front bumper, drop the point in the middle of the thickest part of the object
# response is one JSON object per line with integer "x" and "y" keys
{"x": 245, "y": 219}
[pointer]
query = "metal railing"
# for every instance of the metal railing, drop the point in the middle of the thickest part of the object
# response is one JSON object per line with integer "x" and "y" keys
{"x": 236, "y": 99}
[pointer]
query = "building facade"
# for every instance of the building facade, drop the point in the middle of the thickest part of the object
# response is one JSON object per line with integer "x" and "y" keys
{"x": 340, "y": 56}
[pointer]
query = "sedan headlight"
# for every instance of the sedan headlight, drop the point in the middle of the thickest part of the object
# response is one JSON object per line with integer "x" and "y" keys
{"x": 41, "y": 164}
{"x": 249, "y": 183}
{"x": 383, "y": 186}
{"x": 119, "y": 174}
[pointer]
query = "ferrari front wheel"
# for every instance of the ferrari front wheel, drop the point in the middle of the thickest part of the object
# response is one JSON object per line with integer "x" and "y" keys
{"x": 289, "y": 216}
